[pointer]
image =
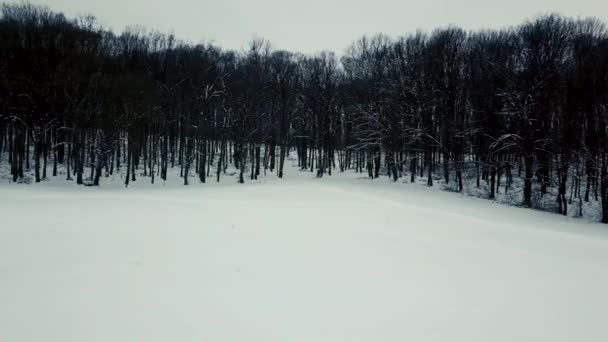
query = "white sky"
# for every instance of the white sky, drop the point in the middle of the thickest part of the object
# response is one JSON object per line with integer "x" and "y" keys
{"x": 313, "y": 25}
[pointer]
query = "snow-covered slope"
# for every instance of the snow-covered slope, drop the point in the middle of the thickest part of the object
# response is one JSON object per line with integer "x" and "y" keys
{"x": 299, "y": 259}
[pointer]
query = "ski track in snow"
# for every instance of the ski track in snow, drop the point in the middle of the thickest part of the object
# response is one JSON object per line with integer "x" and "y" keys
{"x": 299, "y": 259}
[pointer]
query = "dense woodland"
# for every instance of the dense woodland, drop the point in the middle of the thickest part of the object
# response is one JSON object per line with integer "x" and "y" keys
{"x": 523, "y": 109}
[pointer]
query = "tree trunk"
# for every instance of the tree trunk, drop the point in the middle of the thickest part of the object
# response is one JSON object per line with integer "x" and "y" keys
{"x": 529, "y": 174}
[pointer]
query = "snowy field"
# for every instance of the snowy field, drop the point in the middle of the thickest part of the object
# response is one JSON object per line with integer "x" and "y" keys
{"x": 300, "y": 259}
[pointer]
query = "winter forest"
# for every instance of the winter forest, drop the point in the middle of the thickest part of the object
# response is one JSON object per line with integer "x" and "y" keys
{"x": 446, "y": 184}
{"x": 520, "y": 112}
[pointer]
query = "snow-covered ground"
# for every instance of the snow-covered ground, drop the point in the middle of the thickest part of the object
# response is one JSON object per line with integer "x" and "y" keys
{"x": 300, "y": 259}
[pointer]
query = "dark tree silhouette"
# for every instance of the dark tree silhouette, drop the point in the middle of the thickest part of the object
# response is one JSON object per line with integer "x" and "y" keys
{"x": 519, "y": 113}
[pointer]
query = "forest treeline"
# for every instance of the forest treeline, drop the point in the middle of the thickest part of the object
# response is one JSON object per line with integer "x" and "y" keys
{"x": 522, "y": 109}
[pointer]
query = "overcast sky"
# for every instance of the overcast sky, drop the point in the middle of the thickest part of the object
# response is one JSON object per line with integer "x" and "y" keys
{"x": 313, "y": 25}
